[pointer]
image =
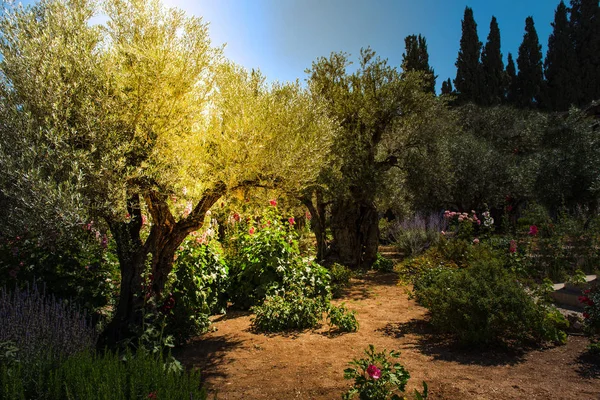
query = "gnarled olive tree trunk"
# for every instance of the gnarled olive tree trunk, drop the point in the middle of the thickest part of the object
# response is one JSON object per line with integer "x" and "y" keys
{"x": 355, "y": 232}
{"x": 166, "y": 235}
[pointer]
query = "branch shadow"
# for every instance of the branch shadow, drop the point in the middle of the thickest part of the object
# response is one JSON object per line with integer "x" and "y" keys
{"x": 361, "y": 287}
{"x": 442, "y": 347}
{"x": 231, "y": 314}
{"x": 207, "y": 354}
{"x": 588, "y": 365}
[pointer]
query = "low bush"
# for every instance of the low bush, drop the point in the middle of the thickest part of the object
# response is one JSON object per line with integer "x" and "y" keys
{"x": 591, "y": 317}
{"x": 109, "y": 376}
{"x": 376, "y": 378}
{"x": 342, "y": 319}
{"x": 340, "y": 278}
{"x": 485, "y": 305}
{"x": 291, "y": 310}
{"x": 383, "y": 264}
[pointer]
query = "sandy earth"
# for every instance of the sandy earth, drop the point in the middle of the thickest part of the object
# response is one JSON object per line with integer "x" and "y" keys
{"x": 239, "y": 364}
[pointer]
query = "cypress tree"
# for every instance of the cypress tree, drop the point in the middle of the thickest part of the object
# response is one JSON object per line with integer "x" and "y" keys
{"x": 416, "y": 58}
{"x": 561, "y": 66}
{"x": 530, "y": 78}
{"x": 447, "y": 86}
{"x": 511, "y": 81}
{"x": 492, "y": 67}
{"x": 585, "y": 32}
{"x": 468, "y": 69}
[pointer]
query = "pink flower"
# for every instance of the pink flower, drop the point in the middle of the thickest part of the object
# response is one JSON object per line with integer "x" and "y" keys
{"x": 144, "y": 220}
{"x": 308, "y": 216}
{"x": 273, "y": 202}
{"x": 236, "y": 217}
{"x": 443, "y": 233}
{"x": 373, "y": 372}
{"x": 513, "y": 246}
{"x": 188, "y": 209}
{"x": 152, "y": 395}
{"x": 291, "y": 220}
{"x": 533, "y": 230}
{"x": 251, "y": 230}
{"x": 475, "y": 241}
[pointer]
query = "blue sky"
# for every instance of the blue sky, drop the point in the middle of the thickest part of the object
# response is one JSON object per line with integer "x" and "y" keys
{"x": 283, "y": 37}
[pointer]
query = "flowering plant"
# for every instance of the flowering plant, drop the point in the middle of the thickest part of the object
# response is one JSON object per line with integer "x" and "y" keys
{"x": 376, "y": 378}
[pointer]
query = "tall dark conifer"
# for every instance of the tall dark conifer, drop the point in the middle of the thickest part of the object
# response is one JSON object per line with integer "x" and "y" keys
{"x": 468, "y": 69}
{"x": 530, "y": 79}
{"x": 416, "y": 58}
{"x": 447, "y": 86}
{"x": 585, "y": 30}
{"x": 511, "y": 81}
{"x": 563, "y": 82}
{"x": 492, "y": 67}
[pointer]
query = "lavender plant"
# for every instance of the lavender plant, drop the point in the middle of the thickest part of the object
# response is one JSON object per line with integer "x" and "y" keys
{"x": 42, "y": 327}
{"x": 414, "y": 235}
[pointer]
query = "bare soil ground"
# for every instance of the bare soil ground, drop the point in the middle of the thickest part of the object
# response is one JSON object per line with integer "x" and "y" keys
{"x": 239, "y": 364}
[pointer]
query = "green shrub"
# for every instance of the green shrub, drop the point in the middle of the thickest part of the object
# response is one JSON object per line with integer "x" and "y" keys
{"x": 383, "y": 264}
{"x": 198, "y": 287}
{"x": 483, "y": 305}
{"x": 591, "y": 315}
{"x": 340, "y": 278}
{"x": 376, "y": 378}
{"x": 108, "y": 376}
{"x": 342, "y": 319}
{"x": 292, "y": 310}
{"x": 264, "y": 259}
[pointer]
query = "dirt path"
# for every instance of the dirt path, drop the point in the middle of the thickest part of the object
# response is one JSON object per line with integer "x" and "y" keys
{"x": 238, "y": 364}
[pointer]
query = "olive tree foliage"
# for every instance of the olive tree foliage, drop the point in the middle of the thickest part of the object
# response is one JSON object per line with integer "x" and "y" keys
{"x": 384, "y": 116}
{"x": 108, "y": 121}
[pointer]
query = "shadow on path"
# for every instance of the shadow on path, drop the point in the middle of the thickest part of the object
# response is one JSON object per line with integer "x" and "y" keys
{"x": 443, "y": 348}
{"x": 207, "y": 354}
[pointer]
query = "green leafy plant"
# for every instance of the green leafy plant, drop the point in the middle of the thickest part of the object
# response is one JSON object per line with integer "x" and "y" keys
{"x": 198, "y": 288}
{"x": 342, "y": 319}
{"x": 383, "y": 264}
{"x": 484, "y": 305}
{"x": 340, "y": 278}
{"x": 264, "y": 259}
{"x": 377, "y": 378}
{"x": 291, "y": 310}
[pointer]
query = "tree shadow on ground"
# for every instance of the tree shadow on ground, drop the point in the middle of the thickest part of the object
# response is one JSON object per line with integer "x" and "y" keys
{"x": 207, "y": 354}
{"x": 231, "y": 314}
{"x": 362, "y": 286}
{"x": 588, "y": 365}
{"x": 444, "y": 348}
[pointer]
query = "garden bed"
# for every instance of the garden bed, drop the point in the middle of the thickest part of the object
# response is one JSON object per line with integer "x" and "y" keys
{"x": 238, "y": 363}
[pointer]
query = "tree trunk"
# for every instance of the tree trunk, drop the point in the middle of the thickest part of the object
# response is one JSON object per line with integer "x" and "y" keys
{"x": 166, "y": 235}
{"x": 318, "y": 222}
{"x": 355, "y": 232}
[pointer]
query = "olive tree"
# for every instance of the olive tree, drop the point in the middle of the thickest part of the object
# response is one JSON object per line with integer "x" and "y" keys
{"x": 109, "y": 121}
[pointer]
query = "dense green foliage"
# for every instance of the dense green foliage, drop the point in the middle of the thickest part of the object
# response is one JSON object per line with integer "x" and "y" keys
{"x": 291, "y": 310}
{"x": 106, "y": 376}
{"x": 264, "y": 259}
{"x": 484, "y": 305}
{"x": 416, "y": 58}
{"x": 341, "y": 319}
